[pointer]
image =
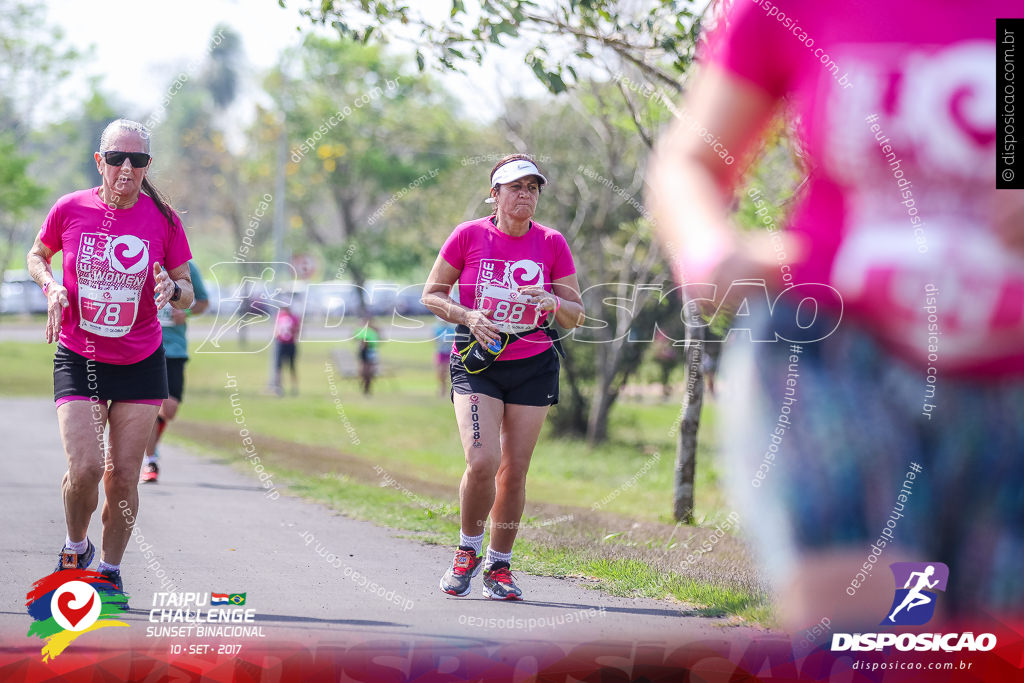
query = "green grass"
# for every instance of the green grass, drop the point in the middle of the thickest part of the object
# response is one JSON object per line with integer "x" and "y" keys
{"x": 407, "y": 428}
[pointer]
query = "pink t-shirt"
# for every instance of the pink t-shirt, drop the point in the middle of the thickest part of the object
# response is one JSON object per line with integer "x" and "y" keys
{"x": 896, "y": 106}
{"x": 286, "y": 326}
{"x": 494, "y": 265}
{"x": 108, "y": 271}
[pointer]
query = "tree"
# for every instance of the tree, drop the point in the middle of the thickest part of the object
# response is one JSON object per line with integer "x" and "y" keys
{"x": 33, "y": 60}
{"x": 361, "y": 133}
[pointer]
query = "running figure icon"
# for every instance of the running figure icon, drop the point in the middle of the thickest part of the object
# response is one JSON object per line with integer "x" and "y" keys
{"x": 915, "y": 597}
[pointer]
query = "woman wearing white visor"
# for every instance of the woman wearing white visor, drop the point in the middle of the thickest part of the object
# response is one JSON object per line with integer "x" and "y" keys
{"x": 517, "y": 276}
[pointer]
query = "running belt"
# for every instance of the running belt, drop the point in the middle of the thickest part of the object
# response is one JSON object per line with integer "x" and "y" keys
{"x": 476, "y": 357}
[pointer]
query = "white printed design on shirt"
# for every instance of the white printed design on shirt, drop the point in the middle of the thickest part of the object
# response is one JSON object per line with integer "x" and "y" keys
{"x": 111, "y": 272}
{"x": 914, "y": 143}
{"x": 497, "y": 290}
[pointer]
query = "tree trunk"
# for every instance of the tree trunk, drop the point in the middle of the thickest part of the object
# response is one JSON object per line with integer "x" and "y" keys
{"x": 686, "y": 448}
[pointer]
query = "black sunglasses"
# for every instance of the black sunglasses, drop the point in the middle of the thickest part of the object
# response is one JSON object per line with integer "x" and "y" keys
{"x": 138, "y": 159}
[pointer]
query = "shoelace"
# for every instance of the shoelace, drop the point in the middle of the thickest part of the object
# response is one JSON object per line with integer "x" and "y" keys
{"x": 459, "y": 568}
{"x": 502, "y": 575}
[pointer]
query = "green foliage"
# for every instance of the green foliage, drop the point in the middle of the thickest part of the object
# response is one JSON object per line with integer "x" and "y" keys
{"x": 661, "y": 33}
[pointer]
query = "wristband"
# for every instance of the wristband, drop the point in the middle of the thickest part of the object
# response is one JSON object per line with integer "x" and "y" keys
{"x": 558, "y": 304}
{"x": 46, "y": 287}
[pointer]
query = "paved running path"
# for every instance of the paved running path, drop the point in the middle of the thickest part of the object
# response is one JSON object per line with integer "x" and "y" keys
{"x": 213, "y": 530}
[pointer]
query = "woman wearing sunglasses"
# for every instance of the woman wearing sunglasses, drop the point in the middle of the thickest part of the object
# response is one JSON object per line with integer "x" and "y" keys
{"x": 125, "y": 257}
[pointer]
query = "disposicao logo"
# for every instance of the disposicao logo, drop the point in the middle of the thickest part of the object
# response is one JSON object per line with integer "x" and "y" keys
{"x": 913, "y": 605}
{"x": 71, "y": 603}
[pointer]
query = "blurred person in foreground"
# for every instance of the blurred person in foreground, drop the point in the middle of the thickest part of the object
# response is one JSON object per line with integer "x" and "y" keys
{"x": 910, "y": 415}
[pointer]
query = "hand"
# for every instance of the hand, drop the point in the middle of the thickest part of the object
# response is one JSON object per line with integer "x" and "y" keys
{"x": 56, "y": 302}
{"x": 485, "y": 331}
{"x": 164, "y": 287}
{"x": 545, "y": 300}
{"x": 1008, "y": 212}
{"x": 754, "y": 258}
{"x": 178, "y": 317}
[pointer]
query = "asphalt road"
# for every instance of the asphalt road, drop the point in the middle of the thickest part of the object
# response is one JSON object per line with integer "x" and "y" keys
{"x": 308, "y": 572}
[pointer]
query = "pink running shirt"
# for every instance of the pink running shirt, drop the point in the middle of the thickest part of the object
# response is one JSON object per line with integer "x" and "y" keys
{"x": 494, "y": 265}
{"x": 286, "y": 326}
{"x": 896, "y": 104}
{"x": 108, "y": 272}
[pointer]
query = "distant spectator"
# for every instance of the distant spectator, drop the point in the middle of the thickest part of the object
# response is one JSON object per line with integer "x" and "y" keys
{"x": 368, "y": 338}
{"x": 286, "y": 332}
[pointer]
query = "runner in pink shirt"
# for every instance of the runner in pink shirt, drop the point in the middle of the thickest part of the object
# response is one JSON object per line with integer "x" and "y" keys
{"x": 895, "y": 110}
{"x": 125, "y": 255}
{"x": 514, "y": 275}
{"x": 286, "y": 332}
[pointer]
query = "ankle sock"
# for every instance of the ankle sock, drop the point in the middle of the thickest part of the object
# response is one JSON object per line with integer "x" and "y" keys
{"x": 494, "y": 556}
{"x": 76, "y": 546}
{"x": 474, "y": 542}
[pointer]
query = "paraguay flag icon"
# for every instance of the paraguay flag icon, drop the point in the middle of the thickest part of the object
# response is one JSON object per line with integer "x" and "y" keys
{"x": 71, "y": 603}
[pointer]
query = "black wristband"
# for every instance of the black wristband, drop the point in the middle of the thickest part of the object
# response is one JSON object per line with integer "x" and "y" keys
{"x": 177, "y": 292}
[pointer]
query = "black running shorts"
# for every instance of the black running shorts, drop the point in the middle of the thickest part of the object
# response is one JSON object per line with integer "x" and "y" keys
{"x": 531, "y": 381}
{"x": 176, "y": 377}
{"x": 76, "y": 375}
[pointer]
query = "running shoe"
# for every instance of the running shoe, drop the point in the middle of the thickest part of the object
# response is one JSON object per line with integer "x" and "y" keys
{"x": 69, "y": 559}
{"x": 457, "y": 579}
{"x": 499, "y": 584}
{"x": 114, "y": 577}
{"x": 149, "y": 473}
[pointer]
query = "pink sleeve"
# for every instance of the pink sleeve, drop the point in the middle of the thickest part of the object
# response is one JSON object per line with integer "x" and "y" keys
{"x": 51, "y": 234}
{"x": 454, "y": 250}
{"x": 177, "y": 252}
{"x": 563, "y": 265}
{"x": 754, "y": 46}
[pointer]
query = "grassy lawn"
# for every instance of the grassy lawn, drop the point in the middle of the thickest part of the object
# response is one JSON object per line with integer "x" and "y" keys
{"x": 316, "y": 440}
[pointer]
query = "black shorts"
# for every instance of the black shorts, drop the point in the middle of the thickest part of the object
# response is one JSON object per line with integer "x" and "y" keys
{"x": 531, "y": 381}
{"x": 285, "y": 352}
{"x": 76, "y": 375}
{"x": 176, "y": 377}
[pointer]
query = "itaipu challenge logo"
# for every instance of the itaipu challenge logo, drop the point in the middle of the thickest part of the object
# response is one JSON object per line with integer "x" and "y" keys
{"x": 71, "y": 603}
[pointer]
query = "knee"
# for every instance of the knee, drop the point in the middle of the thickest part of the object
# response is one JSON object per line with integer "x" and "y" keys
{"x": 169, "y": 410}
{"x": 481, "y": 468}
{"x": 83, "y": 473}
{"x": 121, "y": 481}
{"x": 511, "y": 477}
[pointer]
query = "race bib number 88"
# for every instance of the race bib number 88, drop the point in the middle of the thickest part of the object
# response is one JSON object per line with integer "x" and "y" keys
{"x": 509, "y": 309}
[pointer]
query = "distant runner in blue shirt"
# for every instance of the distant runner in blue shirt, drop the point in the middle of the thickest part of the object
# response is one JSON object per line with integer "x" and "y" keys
{"x": 175, "y": 345}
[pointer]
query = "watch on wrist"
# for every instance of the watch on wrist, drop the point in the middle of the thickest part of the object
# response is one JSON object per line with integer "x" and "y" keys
{"x": 177, "y": 292}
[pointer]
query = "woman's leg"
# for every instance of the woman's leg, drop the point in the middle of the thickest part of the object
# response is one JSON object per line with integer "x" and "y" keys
{"x": 82, "y": 424}
{"x": 520, "y": 430}
{"x": 130, "y": 425}
{"x": 480, "y": 426}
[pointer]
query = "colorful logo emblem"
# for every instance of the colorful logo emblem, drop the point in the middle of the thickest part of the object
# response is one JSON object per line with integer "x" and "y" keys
{"x": 70, "y": 603}
{"x": 914, "y": 602}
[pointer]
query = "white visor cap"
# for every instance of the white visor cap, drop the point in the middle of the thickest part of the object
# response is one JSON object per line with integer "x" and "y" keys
{"x": 514, "y": 170}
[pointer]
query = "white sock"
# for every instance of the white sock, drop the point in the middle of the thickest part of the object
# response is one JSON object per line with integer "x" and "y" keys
{"x": 104, "y": 567}
{"x": 150, "y": 459}
{"x": 474, "y": 542}
{"x": 76, "y": 546}
{"x": 494, "y": 556}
